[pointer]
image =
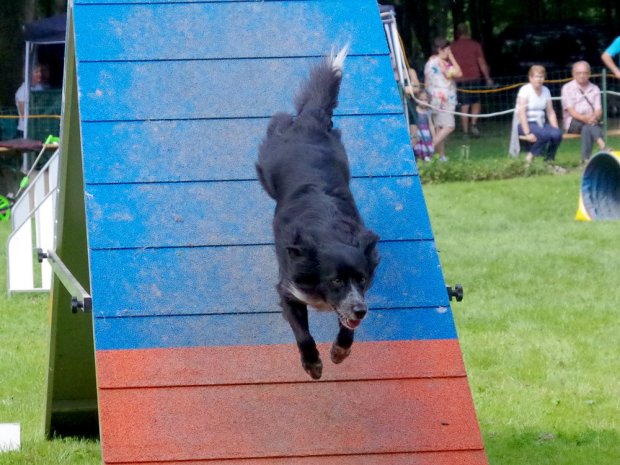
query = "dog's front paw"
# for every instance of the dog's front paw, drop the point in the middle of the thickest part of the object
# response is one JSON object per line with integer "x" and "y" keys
{"x": 338, "y": 354}
{"x": 314, "y": 369}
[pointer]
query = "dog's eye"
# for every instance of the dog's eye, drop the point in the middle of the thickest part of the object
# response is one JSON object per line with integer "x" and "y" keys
{"x": 362, "y": 281}
{"x": 337, "y": 282}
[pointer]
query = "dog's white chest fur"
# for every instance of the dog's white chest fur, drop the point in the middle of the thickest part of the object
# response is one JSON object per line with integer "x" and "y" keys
{"x": 308, "y": 300}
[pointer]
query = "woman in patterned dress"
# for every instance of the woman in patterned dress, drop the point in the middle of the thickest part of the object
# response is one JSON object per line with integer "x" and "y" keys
{"x": 439, "y": 73}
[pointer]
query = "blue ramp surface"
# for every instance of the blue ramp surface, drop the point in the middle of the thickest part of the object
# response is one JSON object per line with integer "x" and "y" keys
{"x": 191, "y": 348}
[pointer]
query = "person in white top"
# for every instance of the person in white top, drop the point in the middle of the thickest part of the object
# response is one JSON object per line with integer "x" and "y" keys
{"x": 38, "y": 81}
{"x": 538, "y": 122}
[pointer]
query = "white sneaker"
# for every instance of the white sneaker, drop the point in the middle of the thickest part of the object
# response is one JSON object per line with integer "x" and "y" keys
{"x": 443, "y": 158}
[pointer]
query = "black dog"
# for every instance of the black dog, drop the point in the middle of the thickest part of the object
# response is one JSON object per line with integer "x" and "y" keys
{"x": 326, "y": 256}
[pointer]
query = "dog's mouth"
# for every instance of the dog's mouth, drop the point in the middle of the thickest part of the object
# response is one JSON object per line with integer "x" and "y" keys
{"x": 350, "y": 323}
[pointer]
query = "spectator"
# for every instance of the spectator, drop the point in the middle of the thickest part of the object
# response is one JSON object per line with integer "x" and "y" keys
{"x": 439, "y": 73}
{"x": 411, "y": 91}
{"x": 423, "y": 147}
{"x": 469, "y": 55}
{"x": 408, "y": 88}
{"x": 581, "y": 102}
{"x": 38, "y": 81}
{"x": 537, "y": 122}
{"x": 609, "y": 54}
{"x": 414, "y": 86}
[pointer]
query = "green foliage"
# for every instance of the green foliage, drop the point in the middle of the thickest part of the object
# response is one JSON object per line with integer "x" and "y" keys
{"x": 11, "y": 49}
{"x": 13, "y": 15}
{"x": 422, "y": 20}
{"x": 479, "y": 170}
{"x": 488, "y": 160}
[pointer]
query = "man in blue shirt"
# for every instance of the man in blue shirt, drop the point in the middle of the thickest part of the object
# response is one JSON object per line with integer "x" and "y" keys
{"x": 609, "y": 54}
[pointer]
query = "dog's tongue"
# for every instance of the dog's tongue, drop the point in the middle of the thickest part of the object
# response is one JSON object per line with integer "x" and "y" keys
{"x": 353, "y": 323}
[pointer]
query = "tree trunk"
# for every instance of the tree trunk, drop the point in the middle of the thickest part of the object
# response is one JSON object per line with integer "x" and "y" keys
{"x": 439, "y": 18}
{"x": 29, "y": 11}
{"x": 415, "y": 17}
{"x": 458, "y": 13}
{"x": 60, "y": 6}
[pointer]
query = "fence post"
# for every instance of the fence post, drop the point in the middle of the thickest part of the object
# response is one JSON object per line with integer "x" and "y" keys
{"x": 604, "y": 103}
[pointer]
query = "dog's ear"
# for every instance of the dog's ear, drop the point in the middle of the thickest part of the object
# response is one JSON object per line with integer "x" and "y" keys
{"x": 295, "y": 252}
{"x": 279, "y": 123}
{"x": 368, "y": 243}
{"x": 300, "y": 249}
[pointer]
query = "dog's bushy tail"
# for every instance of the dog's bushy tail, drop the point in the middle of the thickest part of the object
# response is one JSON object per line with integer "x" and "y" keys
{"x": 319, "y": 94}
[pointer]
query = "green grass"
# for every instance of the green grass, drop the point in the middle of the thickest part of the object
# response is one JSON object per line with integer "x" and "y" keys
{"x": 23, "y": 366}
{"x": 539, "y": 327}
{"x": 540, "y": 321}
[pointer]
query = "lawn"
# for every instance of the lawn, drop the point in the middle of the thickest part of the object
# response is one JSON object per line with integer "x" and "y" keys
{"x": 538, "y": 327}
{"x": 23, "y": 366}
{"x": 540, "y": 321}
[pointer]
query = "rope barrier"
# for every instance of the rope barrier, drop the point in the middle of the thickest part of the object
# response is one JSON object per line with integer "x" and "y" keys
{"x": 481, "y": 115}
{"x": 402, "y": 44}
{"x": 519, "y": 84}
{"x": 502, "y": 89}
{"x": 29, "y": 116}
{"x": 512, "y": 86}
{"x": 490, "y": 91}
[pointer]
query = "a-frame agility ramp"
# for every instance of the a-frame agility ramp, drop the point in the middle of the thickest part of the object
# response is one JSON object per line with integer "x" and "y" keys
{"x": 162, "y": 220}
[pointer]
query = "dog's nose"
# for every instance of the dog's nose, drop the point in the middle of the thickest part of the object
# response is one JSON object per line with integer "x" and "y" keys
{"x": 360, "y": 311}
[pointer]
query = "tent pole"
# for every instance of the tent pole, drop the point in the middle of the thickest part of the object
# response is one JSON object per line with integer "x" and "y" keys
{"x": 28, "y": 83}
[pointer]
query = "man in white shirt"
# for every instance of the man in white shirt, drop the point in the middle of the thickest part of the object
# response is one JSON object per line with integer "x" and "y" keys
{"x": 581, "y": 104}
{"x": 38, "y": 81}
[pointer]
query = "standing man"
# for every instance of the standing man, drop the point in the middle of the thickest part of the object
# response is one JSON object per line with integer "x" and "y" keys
{"x": 609, "y": 54}
{"x": 469, "y": 55}
{"x": 38, "y": 81}
{"x": 581, "y": 102}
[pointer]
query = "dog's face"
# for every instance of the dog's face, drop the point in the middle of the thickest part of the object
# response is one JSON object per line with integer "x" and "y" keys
{"x": 334, "y": 277}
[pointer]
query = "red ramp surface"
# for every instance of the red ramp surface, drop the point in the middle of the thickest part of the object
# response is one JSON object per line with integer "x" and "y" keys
{"x": 210, "y": 404}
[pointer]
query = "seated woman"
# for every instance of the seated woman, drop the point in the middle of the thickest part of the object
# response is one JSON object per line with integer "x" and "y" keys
{"x": 538, "y": 123}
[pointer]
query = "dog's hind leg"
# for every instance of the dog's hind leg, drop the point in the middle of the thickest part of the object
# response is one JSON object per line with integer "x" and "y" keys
{"x": 342, "y": 345}
{"x": 296, "y": 313}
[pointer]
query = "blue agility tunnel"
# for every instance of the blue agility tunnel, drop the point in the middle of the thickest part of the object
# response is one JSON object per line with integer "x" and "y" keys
{"x": 600, "y": 188}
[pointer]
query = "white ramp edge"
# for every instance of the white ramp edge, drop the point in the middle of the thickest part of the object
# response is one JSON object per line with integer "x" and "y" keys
{"x": 33, "y": 225}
